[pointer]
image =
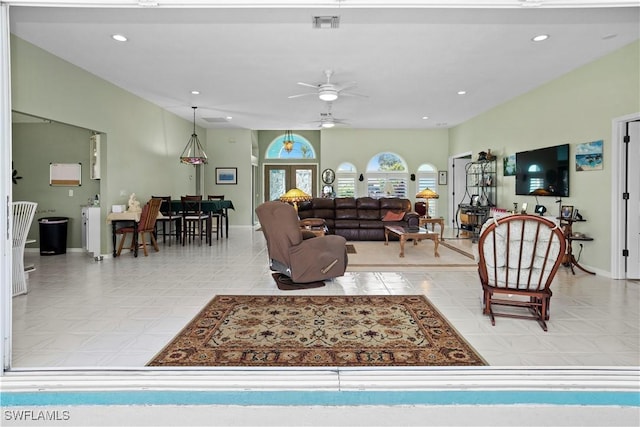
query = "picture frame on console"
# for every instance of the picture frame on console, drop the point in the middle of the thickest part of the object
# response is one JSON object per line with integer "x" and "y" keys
{"x": 566, "y": 212}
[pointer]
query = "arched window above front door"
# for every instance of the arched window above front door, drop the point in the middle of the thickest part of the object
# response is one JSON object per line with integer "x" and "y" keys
{"x": 300, "y": 149}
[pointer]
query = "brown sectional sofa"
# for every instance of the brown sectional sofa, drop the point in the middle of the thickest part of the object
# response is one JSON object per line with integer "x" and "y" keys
{"x": 358, "y": 218}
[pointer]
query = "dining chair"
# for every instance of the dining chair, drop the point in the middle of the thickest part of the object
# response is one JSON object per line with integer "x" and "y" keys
{"x": 169, "y": 218}
{"x": 194, "y": 219}
{"x": 146, "y": 227}
{"x": 22, "y": 217}
{"x": 220, "y": 217}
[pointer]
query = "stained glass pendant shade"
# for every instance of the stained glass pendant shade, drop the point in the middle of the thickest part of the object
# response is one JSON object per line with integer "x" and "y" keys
{"x": 193, "y": 153}
{"x": 288, "y": 141}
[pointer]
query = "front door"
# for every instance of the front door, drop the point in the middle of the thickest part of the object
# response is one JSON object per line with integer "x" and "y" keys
{"x": 281, "y": 178}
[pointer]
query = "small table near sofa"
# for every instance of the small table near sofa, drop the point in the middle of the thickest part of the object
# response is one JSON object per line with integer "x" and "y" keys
{"x": 429, "y": 220}
{"x": 405, "y": 234}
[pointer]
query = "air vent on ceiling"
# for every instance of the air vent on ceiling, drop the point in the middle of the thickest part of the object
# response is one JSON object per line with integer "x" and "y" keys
{"x": 215, "y": 119}
{"x": 326, "y": 21}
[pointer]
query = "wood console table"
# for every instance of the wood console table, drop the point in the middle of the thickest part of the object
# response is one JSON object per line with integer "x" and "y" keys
{"x": 569, "y": 260}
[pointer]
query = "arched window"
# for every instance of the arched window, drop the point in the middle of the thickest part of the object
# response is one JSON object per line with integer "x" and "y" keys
{"x": 427, "y": 177}
{"x": 345, "y": 185}
{"x": 301, "y": 148}
{"x": 387, "y": 176}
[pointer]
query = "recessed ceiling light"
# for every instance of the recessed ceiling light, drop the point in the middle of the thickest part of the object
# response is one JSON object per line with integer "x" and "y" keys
{"x": 540, "y": 38}
{"x": 425, "y": 117}
{"x": 119, "y": 38}
{"x": 229, "y": 117}
{"x": 462, "y": 92}
{"x": 195, "y": 92}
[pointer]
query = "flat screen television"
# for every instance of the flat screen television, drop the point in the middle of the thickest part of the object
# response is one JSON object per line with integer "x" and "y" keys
{"x": 545, "y": 170}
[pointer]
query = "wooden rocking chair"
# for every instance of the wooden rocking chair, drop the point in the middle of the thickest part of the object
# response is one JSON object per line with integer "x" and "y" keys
{"x": 519, "y": 256}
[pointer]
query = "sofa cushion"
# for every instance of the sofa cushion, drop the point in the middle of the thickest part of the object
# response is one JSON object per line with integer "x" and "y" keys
{"x": 395, "y": 204}
{"x": 345, "y": 203}
{"x": 347, "y": 223}
{"x": 324, "y": 213}
{"x": 372, "y": 224}
{"x": 369, "y": 215}
{"x": 323, "y": 204}
{"x": 367, "y": 203}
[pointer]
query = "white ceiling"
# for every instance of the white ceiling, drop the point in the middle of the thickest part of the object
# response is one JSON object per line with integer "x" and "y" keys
{"x": 409, "y": 61}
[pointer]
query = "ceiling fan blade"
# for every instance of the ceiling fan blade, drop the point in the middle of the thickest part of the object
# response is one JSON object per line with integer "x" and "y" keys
{"x": 353, "y": 94}
{"x": 302, "y": 94}
{"x": 346, "y": 86}
{"x": 308, "y": 85}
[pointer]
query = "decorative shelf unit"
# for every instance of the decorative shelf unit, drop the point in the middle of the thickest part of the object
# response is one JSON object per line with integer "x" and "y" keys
{"x": 479, "y": 197}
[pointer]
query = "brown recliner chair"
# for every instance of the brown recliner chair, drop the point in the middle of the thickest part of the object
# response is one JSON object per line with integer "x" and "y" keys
{"x": 305, "y": 262}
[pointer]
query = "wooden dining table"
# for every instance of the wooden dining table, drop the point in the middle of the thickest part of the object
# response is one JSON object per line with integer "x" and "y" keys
{"x": 210, "y": 207}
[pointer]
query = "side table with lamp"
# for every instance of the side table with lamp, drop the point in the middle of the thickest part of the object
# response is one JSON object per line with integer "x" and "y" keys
{"x": 313, "y": 225}
{"x": 425, "y": 218}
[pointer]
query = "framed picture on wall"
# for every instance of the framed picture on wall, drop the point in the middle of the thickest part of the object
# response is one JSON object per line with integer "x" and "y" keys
{"x": 227, "y": 176}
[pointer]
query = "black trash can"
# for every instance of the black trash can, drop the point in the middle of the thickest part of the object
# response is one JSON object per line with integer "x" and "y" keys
{"x": 53, "y": 235}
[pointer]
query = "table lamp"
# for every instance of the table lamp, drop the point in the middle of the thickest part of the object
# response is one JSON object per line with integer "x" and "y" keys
{"x": 294, "y": 196}
{"x": 427, "y": 194}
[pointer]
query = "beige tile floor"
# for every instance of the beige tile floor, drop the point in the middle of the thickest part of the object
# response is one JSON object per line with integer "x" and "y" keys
{"x": 119, "y": 313}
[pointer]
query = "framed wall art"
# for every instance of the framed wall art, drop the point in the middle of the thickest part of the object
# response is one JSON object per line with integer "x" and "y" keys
{"x": 589, "y": 156}
{"x": 227, "y": 176}
{"x": 509, "y": 165}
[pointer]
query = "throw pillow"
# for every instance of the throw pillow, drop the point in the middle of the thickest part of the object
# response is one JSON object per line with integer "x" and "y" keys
{"x": 393, "y": 216}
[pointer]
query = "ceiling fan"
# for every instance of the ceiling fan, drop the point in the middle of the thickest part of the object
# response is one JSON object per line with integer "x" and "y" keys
{"x": 328, "y": 91}
{"x": 328, "y": 121}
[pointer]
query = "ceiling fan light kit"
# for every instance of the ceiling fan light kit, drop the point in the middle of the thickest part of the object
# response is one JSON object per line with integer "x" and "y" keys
{"x": 328, "y": 94}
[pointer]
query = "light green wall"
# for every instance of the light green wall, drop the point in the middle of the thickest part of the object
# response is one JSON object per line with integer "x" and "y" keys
{"x": 575, "y": 108}
{"x": 231, "y": 148}
{"x": 35, "y": 146}
{"x": 415, "y": 146}
{"x": 142, "y": 144}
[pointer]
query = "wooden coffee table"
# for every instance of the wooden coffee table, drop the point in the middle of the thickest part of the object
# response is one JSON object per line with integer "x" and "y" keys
{"x": 405, "y": 234}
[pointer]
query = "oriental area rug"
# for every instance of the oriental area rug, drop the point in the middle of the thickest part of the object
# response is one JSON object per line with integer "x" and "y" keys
{"x": 304, "y": 331}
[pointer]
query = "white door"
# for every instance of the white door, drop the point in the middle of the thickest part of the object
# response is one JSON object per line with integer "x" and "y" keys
{"x": 633, "y": 213}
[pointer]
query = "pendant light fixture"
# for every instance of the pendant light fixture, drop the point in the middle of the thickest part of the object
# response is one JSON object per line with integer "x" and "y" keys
{"x": 288, "y": 141}
{"x": 193, "y": 153}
